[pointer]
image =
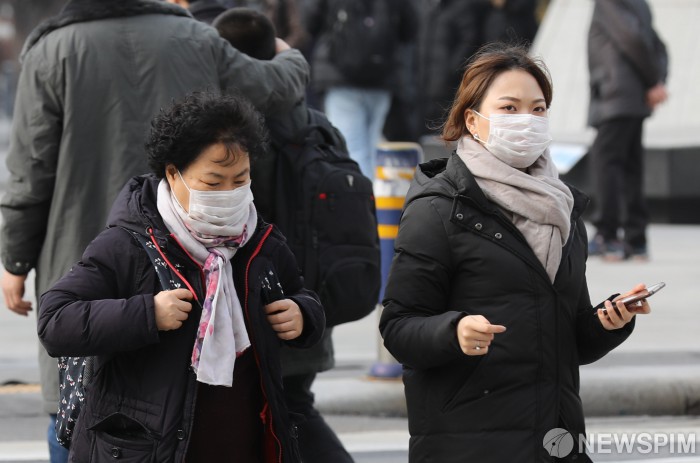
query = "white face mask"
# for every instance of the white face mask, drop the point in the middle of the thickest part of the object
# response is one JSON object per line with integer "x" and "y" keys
{"x": 218, "y": 213}
{"x": 517, "y": 139}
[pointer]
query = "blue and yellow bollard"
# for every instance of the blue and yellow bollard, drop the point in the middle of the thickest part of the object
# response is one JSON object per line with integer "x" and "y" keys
{"x": 396, "y": 164}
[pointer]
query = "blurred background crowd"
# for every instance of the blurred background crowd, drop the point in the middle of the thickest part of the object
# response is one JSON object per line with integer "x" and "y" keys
{"x": 428, "y": 64}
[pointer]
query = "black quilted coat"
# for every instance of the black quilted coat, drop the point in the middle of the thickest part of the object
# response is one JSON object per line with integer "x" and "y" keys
{"x": 142, "y": 399}
{"x": 457, "y": 254}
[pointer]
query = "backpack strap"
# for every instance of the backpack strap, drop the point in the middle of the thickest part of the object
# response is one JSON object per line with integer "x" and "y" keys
{"x": 329, "y": 134}
{"x": 167, "y": 277}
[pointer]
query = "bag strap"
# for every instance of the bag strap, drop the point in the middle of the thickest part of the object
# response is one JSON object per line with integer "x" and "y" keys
{"x": 167, "y": 277}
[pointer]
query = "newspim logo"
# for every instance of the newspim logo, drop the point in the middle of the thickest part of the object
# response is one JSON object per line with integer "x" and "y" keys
{"x": 560, "y": 443}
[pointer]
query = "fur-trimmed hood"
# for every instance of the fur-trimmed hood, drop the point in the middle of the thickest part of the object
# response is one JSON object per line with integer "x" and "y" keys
{"x": 77, "y": 11}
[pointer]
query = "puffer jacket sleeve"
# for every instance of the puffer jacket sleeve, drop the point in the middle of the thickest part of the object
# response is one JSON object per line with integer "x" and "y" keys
{"x": 273, "y": 86}
{"x": 418, "y": 327}
{"x": 93, "y": 310}
{"x": 31, "y": 162}
{"x": 311, "y": 308}
{"x": 592, "y": 340}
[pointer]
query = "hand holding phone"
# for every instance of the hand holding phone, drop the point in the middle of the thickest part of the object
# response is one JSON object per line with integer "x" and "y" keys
{"x": 633, "y": 299}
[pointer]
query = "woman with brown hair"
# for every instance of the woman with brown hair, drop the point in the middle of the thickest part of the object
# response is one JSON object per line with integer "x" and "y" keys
{"x": 487, "y": 305}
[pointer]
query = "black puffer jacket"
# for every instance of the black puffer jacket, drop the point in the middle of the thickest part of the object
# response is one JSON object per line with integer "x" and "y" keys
{"x": 457, "y": 254}
{"x": 104, "y": 307}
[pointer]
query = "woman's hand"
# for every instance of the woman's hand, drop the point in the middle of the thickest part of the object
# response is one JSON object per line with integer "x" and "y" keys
{"x": 615, "y": 318}
{"x": 286, "y": 319}
{"x": 172, "y": 308}
{"x": 475, "y": 334}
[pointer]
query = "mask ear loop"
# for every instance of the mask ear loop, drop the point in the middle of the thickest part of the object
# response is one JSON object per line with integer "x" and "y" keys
{"x": 172, "y": 193}
{"x": 475, "y": 135}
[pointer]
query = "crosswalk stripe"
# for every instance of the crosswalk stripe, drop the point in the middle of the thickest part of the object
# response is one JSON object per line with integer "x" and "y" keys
{"x": 24, "y": 451}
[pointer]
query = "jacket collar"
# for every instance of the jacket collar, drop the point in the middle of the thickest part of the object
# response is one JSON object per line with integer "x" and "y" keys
{"x": 451, "y": 178}
{"x": 77, "y": 11}
{"x": 448, "y": 177}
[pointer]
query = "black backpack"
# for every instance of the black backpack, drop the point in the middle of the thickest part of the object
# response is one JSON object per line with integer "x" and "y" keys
{"x": 325, "y": 207}
{"x": 363, "y": 39}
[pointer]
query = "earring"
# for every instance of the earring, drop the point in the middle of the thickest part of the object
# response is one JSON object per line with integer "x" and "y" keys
{"x": 476, "y": 136}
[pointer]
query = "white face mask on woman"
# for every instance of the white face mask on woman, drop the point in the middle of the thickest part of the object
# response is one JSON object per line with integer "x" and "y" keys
{"x": 218, "y": 213}
{"x": 517, "y": 139}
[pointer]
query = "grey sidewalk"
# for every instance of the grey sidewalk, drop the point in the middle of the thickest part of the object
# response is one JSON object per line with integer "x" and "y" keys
{"x": 655, "y": 372}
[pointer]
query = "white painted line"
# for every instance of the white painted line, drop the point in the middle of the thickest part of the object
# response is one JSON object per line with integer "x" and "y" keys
{"x": 24, "y": 451}
{"x": 376, "y": 441}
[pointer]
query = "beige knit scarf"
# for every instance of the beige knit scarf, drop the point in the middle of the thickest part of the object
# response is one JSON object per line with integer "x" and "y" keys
{"x": 539, "y": 203}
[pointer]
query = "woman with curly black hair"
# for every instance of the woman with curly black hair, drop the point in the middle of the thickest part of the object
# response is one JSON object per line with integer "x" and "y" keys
{"x": 192, "y": 372}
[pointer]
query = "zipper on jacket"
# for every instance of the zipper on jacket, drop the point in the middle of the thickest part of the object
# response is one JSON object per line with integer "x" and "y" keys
{"x": 191, "y": 390}
{"x": 266, "y": 407}
{"x": 194, "y": 261}
{"x": 170, "y": 265}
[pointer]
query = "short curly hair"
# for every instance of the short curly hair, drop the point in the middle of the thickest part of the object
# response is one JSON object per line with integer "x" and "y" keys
{"x": 181, "y": 132}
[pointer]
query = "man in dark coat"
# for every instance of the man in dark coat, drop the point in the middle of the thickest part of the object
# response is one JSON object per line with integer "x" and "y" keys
{"x": 92, "y": 78}
{"x": 357, "y": 77}
{"x": 628, "y": 66}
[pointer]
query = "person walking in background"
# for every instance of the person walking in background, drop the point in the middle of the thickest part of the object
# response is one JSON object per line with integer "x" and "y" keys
{"x": 511, "y": 21}
{"x": 203, "y": 357}
{"x": 91, "y": 80}
{"x": 354, "y": 65}
{"x": 486, "y": 305}
{"x": 450, "y": 33}
{"x": 253, "y": 33}
{"x": 628, "y": 66}
{"x": 202, "y": 10}
{"x": 285, "y": 16}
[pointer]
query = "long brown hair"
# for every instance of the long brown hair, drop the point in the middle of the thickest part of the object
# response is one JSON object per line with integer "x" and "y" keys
{"x": 490, "y": 61}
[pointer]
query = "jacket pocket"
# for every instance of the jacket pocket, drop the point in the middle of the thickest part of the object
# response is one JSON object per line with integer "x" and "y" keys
{"x": 472, "y": 388}
{"x": 119, "y": 437}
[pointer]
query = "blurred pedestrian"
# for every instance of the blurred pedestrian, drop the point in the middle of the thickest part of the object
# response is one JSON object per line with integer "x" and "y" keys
{"x": 91, "y": 80}
{"x": 196, "y": 208}
{"x": 628, "y": 66}
{"x": 511, "y": 21}
{"x": 354, "y": 65}
{"x": 486, "y": 305}
{"x": 450, "y": 33}
{"x": 285, "y": 16}
{"x": 202, "y": 10}
{"x": 254, "y": 34}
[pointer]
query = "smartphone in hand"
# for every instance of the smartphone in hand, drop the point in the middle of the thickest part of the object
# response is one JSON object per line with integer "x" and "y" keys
{"x": 647, "y": 293}
{"x": 633, "y": 299}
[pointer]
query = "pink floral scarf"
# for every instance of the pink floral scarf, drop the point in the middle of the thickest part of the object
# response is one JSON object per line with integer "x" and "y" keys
{"x": 222, "y": 334}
